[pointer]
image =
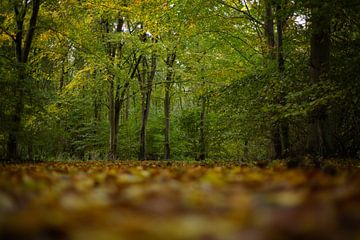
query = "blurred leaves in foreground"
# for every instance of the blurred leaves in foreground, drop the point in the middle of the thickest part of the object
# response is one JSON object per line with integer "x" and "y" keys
{"x": 176, "y": 200}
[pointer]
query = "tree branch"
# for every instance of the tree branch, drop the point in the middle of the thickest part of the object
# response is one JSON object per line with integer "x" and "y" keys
{"x": 247, "y": 14}
{"x": 31, "y": 31}
{"x": 3, "y": 30}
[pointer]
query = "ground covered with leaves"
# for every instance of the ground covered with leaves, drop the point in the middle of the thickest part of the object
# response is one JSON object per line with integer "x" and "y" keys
{"x": 177, "y": 200}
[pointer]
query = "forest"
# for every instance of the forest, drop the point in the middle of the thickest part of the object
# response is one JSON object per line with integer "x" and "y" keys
{"x": 237, "y": 80}
{"x": 160, "y": 119}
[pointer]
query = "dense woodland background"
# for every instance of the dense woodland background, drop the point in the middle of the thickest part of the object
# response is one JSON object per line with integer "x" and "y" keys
{"x": 178, "y": 79}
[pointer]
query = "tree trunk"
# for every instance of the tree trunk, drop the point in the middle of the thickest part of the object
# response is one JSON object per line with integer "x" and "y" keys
{"x": 146, "y": 78}
{"x": 167, "y": 121}
{"x": 246, "y": 150}
{"x": 319, "y": 68}
{"x": 280, "y": 33}
{"x": 269, "y": 29}
{"x": 145, "y": 108}
{"x": 127, "y": 109}
{"x": 284, "y": 125}
{"x": 12, "y": 143}
{"x": 97, "y": 110}
{"x": 62, "y": 77}
{"x": 22, "y": 50}
{"x": 167, "y": 101}
{"x": 115, "y": 98}
{"x": 270, "y": 39}
{"x": 112, "y": 121}
{"x": 284, "y": 131}
{"x": 276, "y": 141}
{"x": 202, "y": 143}
{"x": 142, "y": 147}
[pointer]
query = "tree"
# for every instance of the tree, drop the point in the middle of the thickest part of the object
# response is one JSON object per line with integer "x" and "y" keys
{"x": 319, "y": 68}
{"x": 23, "y": 36}
{"x": 145, "y": 75}
{"x": 170, "y": 60}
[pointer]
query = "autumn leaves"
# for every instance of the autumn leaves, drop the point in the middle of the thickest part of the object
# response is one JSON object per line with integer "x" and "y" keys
{"x": 158, "y": 200}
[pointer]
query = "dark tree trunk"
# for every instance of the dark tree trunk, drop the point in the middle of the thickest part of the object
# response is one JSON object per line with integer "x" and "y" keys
{"x": 62, "y": 77}
{"x": 284, "y": 131}
{"x": 270, "y": 39}
{"x": 246, "y": 150}
{"x": 127, "y": 109}
{"x": 144, "y": 114}
{"x": 116, "y": 98}
{"x": 284, "y": 125}
{"x": 167, "y": 102}
{"x": 112, "y": 121}
{"x": 276, "y": 141}
{"x": 202, "y": 143}
{"x": 146, "y": 79}
{"x": 319, "y": 69}
{"x": 97, "y": 110}
{"x": 30, "y": 151}
{"x": 22, "y": 50}
{"x": 12, "y": 143}
{"x": 118, "y": 105}
{"x": 269, "y": 28}
{"x": 145, "y": 108}
{"x": 114, "y": 126}
{"x": 280, "y": 33}
{"x": 112, "y": 98}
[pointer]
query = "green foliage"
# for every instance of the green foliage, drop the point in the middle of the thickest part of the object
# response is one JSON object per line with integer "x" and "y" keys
{"x": 189, "y": 126}
{"x": 81, "y": 61}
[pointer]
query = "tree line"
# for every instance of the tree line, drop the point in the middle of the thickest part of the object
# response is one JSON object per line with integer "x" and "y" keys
{"x": 170, "y": 79}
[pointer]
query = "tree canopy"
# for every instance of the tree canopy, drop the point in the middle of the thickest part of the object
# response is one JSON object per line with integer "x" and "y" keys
{"x": 171, "y": 79}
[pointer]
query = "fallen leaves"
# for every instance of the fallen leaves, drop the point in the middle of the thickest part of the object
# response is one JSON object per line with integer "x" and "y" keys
{"x": 161, "y": 200}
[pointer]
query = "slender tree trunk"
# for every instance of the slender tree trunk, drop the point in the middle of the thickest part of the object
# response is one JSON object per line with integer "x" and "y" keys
{"x": 127, "y": 109}
{"x": 113, "y": 143}
{"x": 284, "y": 131}
{"x": 167, "y": 101}
{"x": 97, "y": 110}
{"x": 280, "y": 33}
{"x": 284, "y": 125}
{"x": 202, "y": 143}
{"x": 144, "y": 120}
{"x": 62, "y": 76}
{"x": 319, "y": 68}
{"x": 147, "y": 79}
{"x": 246, "y": 150}
{"x": 276, "y": 140}
{"x": 142, "y": 147}
{"x": 270, "y": 39}
{"x": 111, "y": 94}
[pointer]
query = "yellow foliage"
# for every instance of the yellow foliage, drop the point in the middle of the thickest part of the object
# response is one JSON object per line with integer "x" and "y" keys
{"x": 4, "y": 38}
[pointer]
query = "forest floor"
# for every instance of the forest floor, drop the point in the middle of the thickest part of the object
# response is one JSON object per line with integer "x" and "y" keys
{"x": 177, "y": 200}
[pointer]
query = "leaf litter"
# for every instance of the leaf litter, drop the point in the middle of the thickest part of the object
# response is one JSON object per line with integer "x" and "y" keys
{"x": 176, "y": 200}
